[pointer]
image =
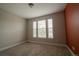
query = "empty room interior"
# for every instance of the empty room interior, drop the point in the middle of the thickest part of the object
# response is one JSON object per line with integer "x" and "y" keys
{"x": 39, "y": 29}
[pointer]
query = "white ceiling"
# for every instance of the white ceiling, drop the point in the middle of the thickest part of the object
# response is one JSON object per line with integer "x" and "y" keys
{"x": 39, "y": 9}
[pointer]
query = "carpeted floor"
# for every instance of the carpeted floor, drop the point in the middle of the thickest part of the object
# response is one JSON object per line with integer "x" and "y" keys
{"x": 33, "y": 49}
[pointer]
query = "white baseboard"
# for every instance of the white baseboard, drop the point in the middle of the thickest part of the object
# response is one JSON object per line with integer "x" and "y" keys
{"x": 72, "y": 53}
{"x": 56, "y": 44}
{"x": 1, "y": 49}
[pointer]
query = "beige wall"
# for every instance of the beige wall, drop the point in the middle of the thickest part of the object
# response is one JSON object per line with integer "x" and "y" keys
{"x": 58, "y": 25}
{"x": 12, "y": 29}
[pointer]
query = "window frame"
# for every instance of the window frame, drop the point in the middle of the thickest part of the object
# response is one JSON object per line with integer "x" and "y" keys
{"x": 45, "y": 28}
{"x": 46, "y": 20}
{"x": 50, "y": 27}
{"x": 33, "y": 29}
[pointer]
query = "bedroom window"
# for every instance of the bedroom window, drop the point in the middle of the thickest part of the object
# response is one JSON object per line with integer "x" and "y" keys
{"x": 50, "y": 28}
{"x": 43, "y": 28}
{"x": 34, "y": 29}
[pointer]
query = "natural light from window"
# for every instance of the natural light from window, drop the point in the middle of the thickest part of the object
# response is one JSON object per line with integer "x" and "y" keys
{"x": 34, "y": 29}
{"x": 50, "y": 28}
{"x": 43, "y": 28}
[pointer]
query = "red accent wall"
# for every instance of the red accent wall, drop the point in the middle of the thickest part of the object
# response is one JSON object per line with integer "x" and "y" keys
{"x": 72, "y": 26}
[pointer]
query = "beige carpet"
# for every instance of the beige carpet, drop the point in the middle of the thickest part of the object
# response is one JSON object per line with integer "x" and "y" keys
{"x": 33, "y": 49}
